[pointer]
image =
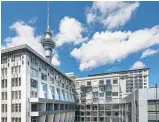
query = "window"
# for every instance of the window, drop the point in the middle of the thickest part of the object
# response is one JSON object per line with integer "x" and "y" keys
{"x": 19, "y": 107}
{"x": 95, "y": 94}
{"x": 44, "y": 87}
{"x": 19, "y": 94}
{"x": 16, "y": 94}
{"x": 52, "y": 91}
{"x": 13, "y": 110}
{"x": 63, "y": 85}
{"x": 15, "y": 69}
{"x": 63, "y": 93}
{"x": 33, "y": 94}
{"x": 88, "y": 83}
{"x": 17, "y": 57}
{"x": 13, "y": 94}
{"x": 101, "y": 94}
{"x": 5, "y": 95}
{"x": 16, "y": 81}
{"x": 2, "y": 107}
{"x": 108, "y": 93}
{"x": 33, "y": 72}
{"x": 51, "y": 80}
{"x": 108, "y": 81}
{"x": 88, "y": 89}
{"x": 2, "y": 83}
{"x": 115, "y": 81}
{"x": 115, "y": 88}
{"x": 5, "y": 107}
{"x": 16, "y": 107}
{"x": 43, "y": 66}
{"x": 34, "y": 83}
{"x": 19, "y": 81}
{"x": 101, "y": 89}
{"x": 4, "y": 60}
{"x": 33, "y": 60}
{"x": 43, "y": 77}
{"x": 4, "y": 71}
{"x": 95, "y": 100}
{"x": 108, "y": 88}
{"x": 101, "y": 82}
{"x": 2, "y": 95}
{"x": 115, "y": 93}
{"x": 4, "y": 119}
{"x": 12, "y": 82}
{"x": 5, "y": 83}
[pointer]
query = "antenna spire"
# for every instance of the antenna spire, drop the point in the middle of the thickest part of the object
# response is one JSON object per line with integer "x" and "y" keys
{"x": 48, "y": 16}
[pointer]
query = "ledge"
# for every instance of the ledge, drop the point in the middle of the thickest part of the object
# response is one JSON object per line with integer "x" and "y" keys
{"x": 43, "y": 100}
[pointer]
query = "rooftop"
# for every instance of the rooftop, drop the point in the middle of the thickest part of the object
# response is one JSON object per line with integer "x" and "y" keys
{"x": 28, "y": 48}
{"x": 123, "y": 71}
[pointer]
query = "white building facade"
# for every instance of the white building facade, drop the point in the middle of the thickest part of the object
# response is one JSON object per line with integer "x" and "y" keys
{"x": 100, "y": 95}
{"x": 33, "y": 90}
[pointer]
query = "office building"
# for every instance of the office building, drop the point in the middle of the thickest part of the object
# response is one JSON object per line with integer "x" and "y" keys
{"x": 99, "y": 95}
{"x": 33, "y": 90}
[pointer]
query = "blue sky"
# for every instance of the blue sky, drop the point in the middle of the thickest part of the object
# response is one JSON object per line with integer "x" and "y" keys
{"x": 91, "y": 37}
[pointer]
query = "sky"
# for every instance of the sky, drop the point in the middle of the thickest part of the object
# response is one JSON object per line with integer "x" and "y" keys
{"x": 91, "y": 37}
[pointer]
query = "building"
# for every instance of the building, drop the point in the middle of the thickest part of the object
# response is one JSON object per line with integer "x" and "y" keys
{"x": 99, "y": 94}
{"x": 110, "y": 87}
{"x": 33, "y": 90}
{"x": 141, "y": 106}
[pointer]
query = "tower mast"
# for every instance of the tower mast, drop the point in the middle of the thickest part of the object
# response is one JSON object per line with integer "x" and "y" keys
{"x": 48, "y": 16}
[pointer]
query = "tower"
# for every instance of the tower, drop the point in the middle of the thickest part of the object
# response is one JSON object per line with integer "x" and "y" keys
{"x": 47, "y": 43}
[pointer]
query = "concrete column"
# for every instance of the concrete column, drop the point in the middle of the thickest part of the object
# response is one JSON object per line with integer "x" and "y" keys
{"x": 50, "y": 118}
{"x": 62, "y": 117}
{"x": 73, "y": 117}
{"x": 67, "y": 116}
{"x": 42, "y": 118}
{"x": 57, "y": 117}
{"x": 25, "y": 88}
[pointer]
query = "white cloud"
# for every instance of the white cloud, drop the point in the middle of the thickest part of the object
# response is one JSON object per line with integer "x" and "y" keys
{"x": 108, "y": 47}
{"x": 25, "y": 34}
{"x": 32, "y": 20}
{"x": 138, "y": 65}
{"x": 55, "y": 59}
{"x": 111, "y": 14}
{"x": 148, "y": 52}
{"x": 70, "y": 31}
{"x": 90, "y": 17}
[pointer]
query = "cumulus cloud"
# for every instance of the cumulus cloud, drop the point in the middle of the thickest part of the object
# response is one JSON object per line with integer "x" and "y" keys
{"x": 111, "y": 14}
{"x": 25, "y": 34}
{"x": 70, "y": 31}
{"x": 148, "y": 52}
{"x": 138, "y": 65}
{"x": 108, "y": 47}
